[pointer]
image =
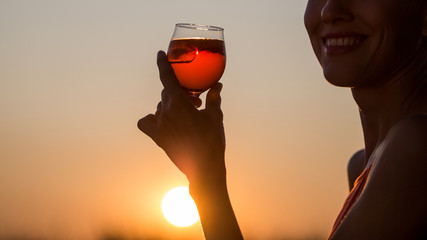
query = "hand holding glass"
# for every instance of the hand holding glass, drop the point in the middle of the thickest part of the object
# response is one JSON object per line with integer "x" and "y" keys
{"x": 197, "y": 55}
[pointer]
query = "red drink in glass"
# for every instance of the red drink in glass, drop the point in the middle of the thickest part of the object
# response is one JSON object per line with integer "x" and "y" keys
{"x": 197, "y": 55}
{"x": 198, "y": 63}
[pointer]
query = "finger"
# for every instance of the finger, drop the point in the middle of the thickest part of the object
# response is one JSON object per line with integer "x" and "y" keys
{"x": 167, "y": 75}
{"x": 165, "y": 97}
{"x": 148, "y": 125}
{"x": 159, "y": 109}
{"x": 213, "y": 98}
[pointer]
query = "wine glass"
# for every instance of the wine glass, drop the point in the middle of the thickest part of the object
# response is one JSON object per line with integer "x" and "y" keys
{"x": 197, "y": 55}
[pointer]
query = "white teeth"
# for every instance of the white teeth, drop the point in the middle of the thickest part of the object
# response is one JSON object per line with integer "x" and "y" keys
{"x": 342, "y": 42}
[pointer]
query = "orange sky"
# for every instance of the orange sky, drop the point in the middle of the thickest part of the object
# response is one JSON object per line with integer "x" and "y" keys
{"x": 75, "y": 76}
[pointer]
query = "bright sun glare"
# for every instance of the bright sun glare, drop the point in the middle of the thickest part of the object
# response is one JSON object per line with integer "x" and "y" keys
{"x": 179, "y": 208}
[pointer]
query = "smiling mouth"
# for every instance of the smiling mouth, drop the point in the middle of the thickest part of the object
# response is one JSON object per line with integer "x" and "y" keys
{"x": 342, "y": 44}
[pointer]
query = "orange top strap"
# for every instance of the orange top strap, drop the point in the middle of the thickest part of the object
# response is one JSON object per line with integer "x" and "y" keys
{"x": 351, "y": 198}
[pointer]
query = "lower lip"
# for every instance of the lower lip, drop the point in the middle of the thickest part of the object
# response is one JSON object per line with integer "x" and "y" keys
{"x": 339, "y": 50}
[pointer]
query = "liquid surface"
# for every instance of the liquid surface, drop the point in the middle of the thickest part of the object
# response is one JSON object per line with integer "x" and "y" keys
{"x": 198, "y": 63}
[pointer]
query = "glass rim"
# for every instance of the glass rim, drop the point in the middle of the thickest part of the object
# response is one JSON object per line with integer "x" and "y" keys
{"x": 202, "y": 27}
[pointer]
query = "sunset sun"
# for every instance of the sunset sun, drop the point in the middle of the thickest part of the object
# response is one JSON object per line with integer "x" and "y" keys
{"x": 179, "y": 208}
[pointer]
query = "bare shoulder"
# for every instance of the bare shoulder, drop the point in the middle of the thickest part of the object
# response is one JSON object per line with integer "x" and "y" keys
{"x": 405, "y": 151}
{"x": 416, "y": 124}
{"x": 393, "y": 202}
{"x": 408, "y": 138}
{"x": 397, "y": 182}
{"x": 355, "y": 167}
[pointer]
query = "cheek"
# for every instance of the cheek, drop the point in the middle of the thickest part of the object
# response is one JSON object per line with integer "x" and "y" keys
{"x": 312, "y": 22}
{"x": 312, "y": 15}
{"x": 398, "y": 39}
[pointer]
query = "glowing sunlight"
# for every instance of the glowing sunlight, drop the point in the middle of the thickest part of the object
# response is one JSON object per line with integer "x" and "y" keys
{"x": 179, "y": 208}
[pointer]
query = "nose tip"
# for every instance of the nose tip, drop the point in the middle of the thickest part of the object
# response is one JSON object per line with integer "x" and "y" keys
{"x": 336, "y": 10}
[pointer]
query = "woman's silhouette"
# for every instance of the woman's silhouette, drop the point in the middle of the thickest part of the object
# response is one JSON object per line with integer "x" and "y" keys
{"x": 378, "y": 49}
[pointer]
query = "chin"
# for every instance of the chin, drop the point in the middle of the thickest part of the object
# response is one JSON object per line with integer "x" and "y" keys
{"x": 342, "y": 79}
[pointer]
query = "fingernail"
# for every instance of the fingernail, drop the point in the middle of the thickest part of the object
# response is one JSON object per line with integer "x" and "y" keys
{"x": 160, "y": 53}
